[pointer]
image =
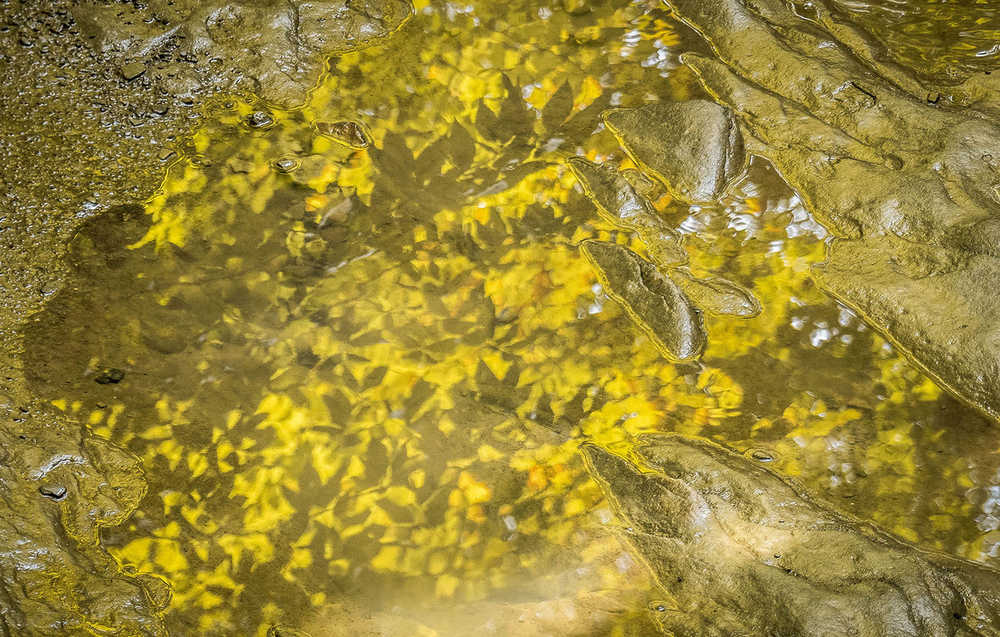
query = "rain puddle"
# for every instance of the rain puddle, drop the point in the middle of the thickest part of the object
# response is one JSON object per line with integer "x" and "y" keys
{"x": 357, "y": 347}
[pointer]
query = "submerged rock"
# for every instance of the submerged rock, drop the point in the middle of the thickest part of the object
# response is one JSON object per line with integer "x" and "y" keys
{"x": 651, "y": 299}
{"x": 619, "y": 202}
{"x": 346, "y": 132}
{"x": 695, "y": 148}
{"x": 743, "y": 552}
{"x": 717, "y": 296}
{"x": 611, "y": 192}
{"x": 873, "y": 156}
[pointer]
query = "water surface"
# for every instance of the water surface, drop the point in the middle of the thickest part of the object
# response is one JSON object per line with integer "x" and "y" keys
{"x": 358, "y": 377}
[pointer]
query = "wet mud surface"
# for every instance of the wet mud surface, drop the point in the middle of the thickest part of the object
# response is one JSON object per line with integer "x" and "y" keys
{"x": 904, "y": 173}
{"x": 347, "y": 352}
{"x": 745, "y": 553}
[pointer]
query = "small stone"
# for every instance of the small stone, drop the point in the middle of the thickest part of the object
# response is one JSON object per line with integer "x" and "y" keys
{"x": 286, "y": 165}
{"x": 110, "y": 376}
{"x": 53, "y": 492}
{"x": 133, "y": 70}
{"x": 260, "y": 119}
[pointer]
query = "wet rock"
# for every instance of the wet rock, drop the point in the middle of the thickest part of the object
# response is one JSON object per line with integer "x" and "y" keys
{"x": 911, "y": 179}
{"x": 613, "y": 195}
{"x": 618, "y": 202}
{"x": 717, "y": 296}
{"x": 651, "y": 299}
{"x": 133, "y": 70}
{"x": 286, "y": 164}
{"x": 53, "y": 492}
{"x": 741, "y": 551}
{"x": 695, "y": 148}
{"x": 276, "y": 48}
{"x": 260, "y": 120}
{"x": 761, "y": 455}
{"x": 642, "y": 184}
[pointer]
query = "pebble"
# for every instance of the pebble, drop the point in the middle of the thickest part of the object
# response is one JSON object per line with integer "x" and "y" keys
{"x": 133, "y": 70}
{"x": 110, "y": 376}
{"x": 260, "y": 119}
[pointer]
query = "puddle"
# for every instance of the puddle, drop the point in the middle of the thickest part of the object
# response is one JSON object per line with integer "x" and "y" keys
{"x": 358, "y": 374}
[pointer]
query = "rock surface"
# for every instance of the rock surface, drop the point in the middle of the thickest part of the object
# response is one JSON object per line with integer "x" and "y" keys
{"x": 628, "y": 277}
{"x": 875, "y": 155}
{"x": 695, "y": 148}
{"x": 743, "y": 552}
{"x": 59, "y": 486}
{"x": 653, "y": 301}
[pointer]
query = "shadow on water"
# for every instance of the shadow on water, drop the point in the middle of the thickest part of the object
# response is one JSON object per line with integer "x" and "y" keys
{"x": 358, "y": 377}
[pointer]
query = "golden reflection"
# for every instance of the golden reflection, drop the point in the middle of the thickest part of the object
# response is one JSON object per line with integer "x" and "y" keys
{"x": 358, "y": 381}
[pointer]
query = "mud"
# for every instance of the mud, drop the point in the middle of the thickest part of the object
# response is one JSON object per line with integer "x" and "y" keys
{"x": 705, "y": 153}
{"x": 620, "y": 203}
{"x": 717, "y": 296}
{"x": 60, "y": 486}
{"x": 273, "y": 49}
{"x": 652, "y": 299}
{"x": 743, "y": 552}
{"x": 111, "y": 91}
{"x": 877, "y": 156}
{"x": 663, "y": 296}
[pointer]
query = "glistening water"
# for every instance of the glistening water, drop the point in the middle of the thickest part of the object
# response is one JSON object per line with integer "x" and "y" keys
{"x": 358, "y": 374}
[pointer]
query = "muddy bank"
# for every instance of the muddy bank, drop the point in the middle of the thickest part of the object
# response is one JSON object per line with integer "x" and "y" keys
{"x": 96, "y": 99}
{"x": 905, "y": 172}
{"x": 741, "y": 551}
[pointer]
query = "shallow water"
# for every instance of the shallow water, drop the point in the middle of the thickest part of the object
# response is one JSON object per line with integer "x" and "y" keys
{"x": 358, "y": 377}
